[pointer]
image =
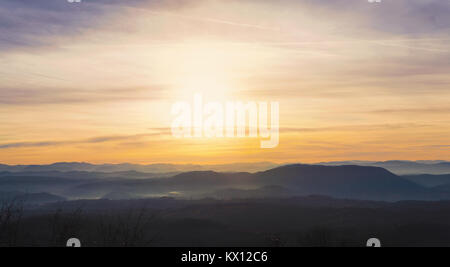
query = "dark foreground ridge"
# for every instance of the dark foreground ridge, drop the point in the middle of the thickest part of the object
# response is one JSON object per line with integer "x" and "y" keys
{"x": 289, "y": 222}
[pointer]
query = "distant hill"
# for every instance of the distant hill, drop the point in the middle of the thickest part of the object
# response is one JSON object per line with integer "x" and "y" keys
{"x": 355, "y": 182}
{"x": 36, "y": 184}
{"x": 402, "y": 167}
{"x": 429, "y": 180}
{"x": 29, "y": 198}
{"x": 260, "y": 193}
{"x": 39, "y": 198}
{"x": 87, "y": 175}
{"x": 344, "y": 181}
{"x": 397, "y": 167}
{"x": 187, "y": 184}
{"x": 443, "y": 188}
{"x": 150, "y": 168}
{"x": 350, "y": 181}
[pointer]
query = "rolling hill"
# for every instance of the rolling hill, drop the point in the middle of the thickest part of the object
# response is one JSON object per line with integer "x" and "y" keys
{"x": 351, "y": 182}
{"x": 429, "y": 180}
{"x": 355, "y": 182}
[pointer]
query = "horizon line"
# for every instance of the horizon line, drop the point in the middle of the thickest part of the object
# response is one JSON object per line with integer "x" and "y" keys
{"x": 231, "y": 163}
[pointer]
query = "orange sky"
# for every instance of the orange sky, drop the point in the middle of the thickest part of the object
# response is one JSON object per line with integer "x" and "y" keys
{"x": 349, "y": 86}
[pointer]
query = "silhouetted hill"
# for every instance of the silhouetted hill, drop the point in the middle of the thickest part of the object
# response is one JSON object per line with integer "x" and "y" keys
{"x": 39, "y": 198}
{"x": 29, "y": 198}
{"x": 202, "y": 179}
{"x": 443, "y": 188}
{"x": 429, "y": 180}
{"x": 395, "y": 166}
{"x": 260, "y": 193}
{"x": 187, "y": 184}
{"x": 36, "y": 184}
{"x": 355, "y": 182}
{"x": 344, "y": 181}
{"x": 150, "y": 168}
{"x": 88, "y": 175}
{"x": 401, "y": 167}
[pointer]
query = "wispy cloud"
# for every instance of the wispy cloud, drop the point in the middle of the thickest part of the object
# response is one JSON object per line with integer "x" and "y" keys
{"x": 36, "y": 96}
{"x": 439, "y": 110}
{"x": 93, "y": 140}
{"x": 353, "y": 128}
{"x": 30, "y": 23}
{"x": 27, "y": 23}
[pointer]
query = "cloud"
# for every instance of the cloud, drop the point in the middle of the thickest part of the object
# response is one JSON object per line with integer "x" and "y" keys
{"x": 435, "y": 146}
{"x": 93, "y": 140}
{"x": 28, "y": 22}
{"x": 41, "y": 96}
{"x": 391, "y": 16}
{"x": 31, "y": 23}
{"x": 410, "y": 111}
{"x": 353, "y": 128}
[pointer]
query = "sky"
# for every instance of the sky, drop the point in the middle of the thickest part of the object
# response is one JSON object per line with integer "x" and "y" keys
{"x": 95, "y": 81}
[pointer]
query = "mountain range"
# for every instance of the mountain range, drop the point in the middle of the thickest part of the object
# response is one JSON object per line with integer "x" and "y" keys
{"x": 127, "y": 167}
{"x": 398, "y": 167}
{"x": 347, "y": 181}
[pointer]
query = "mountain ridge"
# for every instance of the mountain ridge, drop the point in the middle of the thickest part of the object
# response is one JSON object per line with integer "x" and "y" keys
{"x": 399, "y": 167}
{"x": 354, "y": 182}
